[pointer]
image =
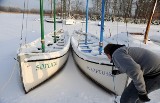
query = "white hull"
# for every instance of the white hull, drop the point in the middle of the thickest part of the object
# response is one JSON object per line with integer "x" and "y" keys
{"x": 69, "y": 21}
{"x": 99, "y": 23}
{"x": 51, "y": 20}
{"x": 99, "y": 72}
{"x": 35, "y": 72}
{"x": 38, "y": 67}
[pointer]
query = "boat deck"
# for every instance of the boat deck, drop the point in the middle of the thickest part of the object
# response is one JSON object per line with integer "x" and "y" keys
{"x": 50, "y": 46}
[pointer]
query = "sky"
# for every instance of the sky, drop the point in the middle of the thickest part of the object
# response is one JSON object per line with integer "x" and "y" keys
{"x": 20, "y": 3}
{"x": 31, "y": 3}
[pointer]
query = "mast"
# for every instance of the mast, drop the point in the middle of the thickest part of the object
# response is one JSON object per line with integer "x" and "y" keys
{"x": 42, "y": 26}
{"x": 51, "y": 9}
{"x": 102, "y": 27}
{"x": 54, "y": 21}
{"x": 69, "y": 11}
{"x": 86, "y": 22}
{"x": 149, "y": 22}
{"x": 61, "y": 9}
{"x": 64, "y": 9}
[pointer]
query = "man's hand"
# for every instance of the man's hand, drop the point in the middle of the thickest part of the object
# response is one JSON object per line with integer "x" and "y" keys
{"x": 143, "y": 97}
{"x": 115, "y": 72}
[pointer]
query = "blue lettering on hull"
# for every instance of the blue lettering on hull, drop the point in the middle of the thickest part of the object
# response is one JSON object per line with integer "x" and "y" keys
{"x": 45, "y": 66}
{"x": 101, "y": 72}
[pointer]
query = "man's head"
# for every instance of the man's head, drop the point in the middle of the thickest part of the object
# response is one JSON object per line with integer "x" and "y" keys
{"x": 110, "y": 48}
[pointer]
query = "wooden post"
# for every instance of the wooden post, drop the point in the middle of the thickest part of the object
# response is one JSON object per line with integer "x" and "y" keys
{"x": 149, "y": 22}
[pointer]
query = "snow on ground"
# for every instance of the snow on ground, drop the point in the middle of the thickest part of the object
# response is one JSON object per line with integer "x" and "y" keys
{"x": 70, "y": 85}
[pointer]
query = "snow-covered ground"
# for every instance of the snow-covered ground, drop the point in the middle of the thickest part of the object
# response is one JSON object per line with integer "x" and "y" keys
{"x": 70, "y": 85}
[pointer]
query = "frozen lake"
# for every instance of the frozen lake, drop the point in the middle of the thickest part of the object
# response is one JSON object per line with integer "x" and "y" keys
{"x": 70, "y": 85}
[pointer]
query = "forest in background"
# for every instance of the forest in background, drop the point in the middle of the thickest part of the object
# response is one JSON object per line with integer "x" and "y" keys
{"x": 136, "y": 11}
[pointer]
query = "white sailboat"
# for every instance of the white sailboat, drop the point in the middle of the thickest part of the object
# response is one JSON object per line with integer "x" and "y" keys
{"x": 99, "y": 23}
{"x": 51, "y": 19}
{"x": 89, "y": 56}
{"x": 39, "y": 62}
{"x": 70, "y": 20}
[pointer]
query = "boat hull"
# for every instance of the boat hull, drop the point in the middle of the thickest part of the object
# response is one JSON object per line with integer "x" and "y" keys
{"x": 36, "y": 67}
{"x": 101, "y": 74}
{"x": 69, "y": 21}
{"x": 95, "y": 66}
{"x": 51, "y": 20}
{"x": 35, "y": 72}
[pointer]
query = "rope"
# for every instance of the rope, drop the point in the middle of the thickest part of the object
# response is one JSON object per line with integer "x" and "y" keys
{"x": 127, "y": 33}
{"x": 110, "y": 32}
{"x": 117, "y": 32}
{"x": 115, "y": 96}
{"x": 9, "y": 79}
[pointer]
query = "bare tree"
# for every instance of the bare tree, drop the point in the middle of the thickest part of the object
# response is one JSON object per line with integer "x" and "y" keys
{"x": 114, "y": 10}
{"x": 64, "y": 9}
{"x": 69, "y": 8}
{"x": 107, "y": 7}
{"x": 78, "y": 6}
{"x": 96, "y": 5}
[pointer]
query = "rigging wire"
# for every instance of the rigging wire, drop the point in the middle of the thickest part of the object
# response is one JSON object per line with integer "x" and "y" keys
{"x": 26, "y": 22}
{"x": 113, "y": 76}
{"x": 9, "y": 5}
{"x": 46, "y": 14}
{"x": 82, "y": 26}
{"x": 61, "y": 17}
{"x": 12, "y": 72}
{"x": 21, "y": 38}
{"x": 62, "y": 23}
{"x": 9, "y": 79}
